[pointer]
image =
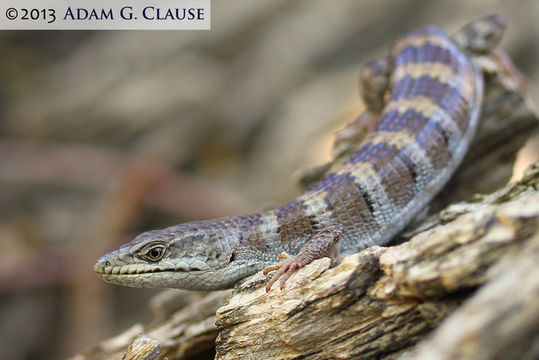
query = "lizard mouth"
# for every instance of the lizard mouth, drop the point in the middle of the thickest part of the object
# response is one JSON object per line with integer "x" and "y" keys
{"x": 105, "y": 269}
{"x": 147, "y": 276}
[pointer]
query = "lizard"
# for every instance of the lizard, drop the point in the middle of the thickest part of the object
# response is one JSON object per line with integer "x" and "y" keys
{"x": 425, "y": 98}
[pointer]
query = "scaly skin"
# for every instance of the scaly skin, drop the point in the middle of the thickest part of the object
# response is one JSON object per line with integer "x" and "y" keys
{"x": 422, "y": 134}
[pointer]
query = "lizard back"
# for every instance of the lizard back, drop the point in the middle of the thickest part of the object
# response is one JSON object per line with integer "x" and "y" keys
{"x": 422, "y": 135}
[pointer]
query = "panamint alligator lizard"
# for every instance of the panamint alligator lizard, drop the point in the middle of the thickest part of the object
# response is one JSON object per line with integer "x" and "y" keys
{"x": 427, "y": 96}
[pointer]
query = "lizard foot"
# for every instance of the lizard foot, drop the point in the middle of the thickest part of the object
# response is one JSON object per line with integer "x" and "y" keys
{"x": 325, "y": 243}
{"x": 285, "y": 269}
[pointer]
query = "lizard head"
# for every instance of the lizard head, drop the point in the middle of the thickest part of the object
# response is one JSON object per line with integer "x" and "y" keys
{"x": 202, "y": 255}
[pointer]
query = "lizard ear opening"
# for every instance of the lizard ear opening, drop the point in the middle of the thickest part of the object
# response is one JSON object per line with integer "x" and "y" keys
{"x": 232, "y": 257}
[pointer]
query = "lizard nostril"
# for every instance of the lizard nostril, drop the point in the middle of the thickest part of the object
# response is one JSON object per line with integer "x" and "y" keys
{"x": 106, "y": 263}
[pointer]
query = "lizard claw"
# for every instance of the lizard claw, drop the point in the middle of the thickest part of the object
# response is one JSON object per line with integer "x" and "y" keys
{"x": 285, "y": 269}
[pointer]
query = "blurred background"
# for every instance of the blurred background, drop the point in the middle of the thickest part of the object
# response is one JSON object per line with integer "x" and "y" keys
{"x": 106, "y": 134}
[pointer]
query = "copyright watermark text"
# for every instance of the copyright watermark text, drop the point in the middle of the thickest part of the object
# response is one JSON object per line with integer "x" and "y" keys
{"x": 105, "y": 15}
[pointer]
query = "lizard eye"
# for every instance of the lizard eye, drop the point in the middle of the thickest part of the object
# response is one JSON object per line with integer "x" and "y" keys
{"x": 155, "y": 253}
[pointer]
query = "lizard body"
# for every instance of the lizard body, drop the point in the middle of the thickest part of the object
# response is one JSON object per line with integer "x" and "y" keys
{"x": 427, "y": 114}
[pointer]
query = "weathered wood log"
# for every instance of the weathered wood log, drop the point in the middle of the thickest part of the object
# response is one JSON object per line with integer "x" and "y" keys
{"x": 501, "y": 321}
{"x": 383, "y": 300}
{"x": 143, "y": 348}
{"x": 187, "y": 333}
{"x": 453, "y": 275}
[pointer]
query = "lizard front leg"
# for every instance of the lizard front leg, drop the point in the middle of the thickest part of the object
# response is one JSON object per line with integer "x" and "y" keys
{"x": 325, "y": 243}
